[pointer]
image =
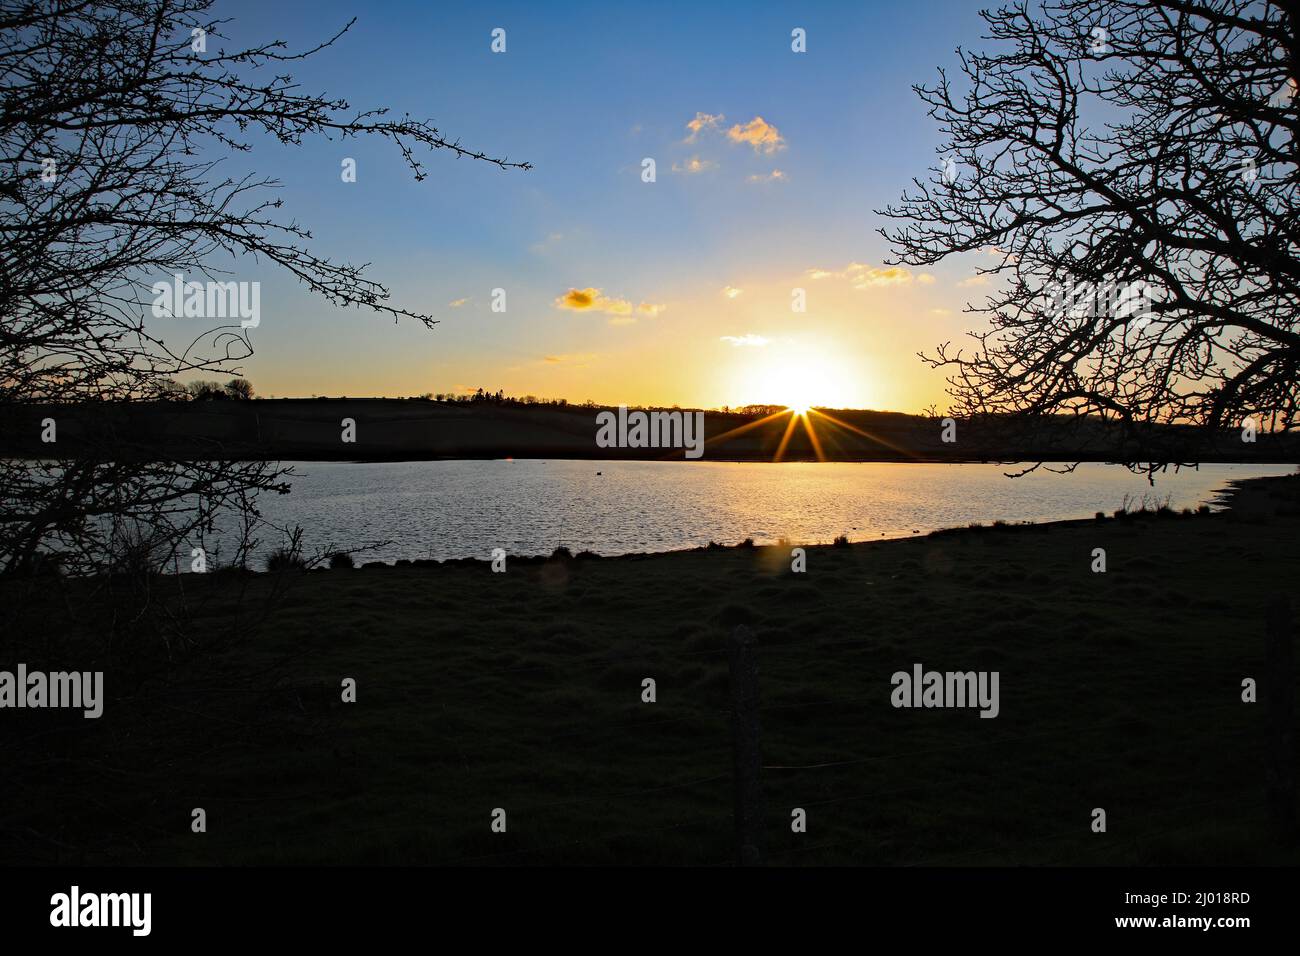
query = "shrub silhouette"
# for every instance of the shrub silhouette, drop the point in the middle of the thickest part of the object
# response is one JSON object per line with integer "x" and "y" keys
{"x": 285, "y": 559}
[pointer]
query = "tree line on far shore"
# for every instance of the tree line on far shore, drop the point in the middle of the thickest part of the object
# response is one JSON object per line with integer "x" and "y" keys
{"x": 241, "y": 389}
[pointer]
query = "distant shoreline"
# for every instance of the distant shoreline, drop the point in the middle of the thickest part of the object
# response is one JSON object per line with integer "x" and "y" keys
{"x": 418, "y": 430}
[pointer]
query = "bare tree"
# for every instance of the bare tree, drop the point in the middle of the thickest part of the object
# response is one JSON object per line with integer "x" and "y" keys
{"x": 205, "y": 389}
{"x": 109, "y": 114}
{"x": 1130, "y": 168}
{"x": 239, "y": 388}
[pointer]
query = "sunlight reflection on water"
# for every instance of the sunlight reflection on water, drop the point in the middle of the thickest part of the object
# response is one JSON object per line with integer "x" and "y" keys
{"x": 453, "y": 509}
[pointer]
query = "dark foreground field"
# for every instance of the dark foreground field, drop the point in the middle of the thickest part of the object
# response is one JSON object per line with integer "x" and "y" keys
{"x": 522, "y": 691}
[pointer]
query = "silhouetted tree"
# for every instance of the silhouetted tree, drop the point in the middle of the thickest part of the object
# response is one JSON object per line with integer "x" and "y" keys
{"x": 240, "y": 389}
{"x": 1108, "y": 152}
{"x": 206, "y": 391}
{"x": 112, "y": 117}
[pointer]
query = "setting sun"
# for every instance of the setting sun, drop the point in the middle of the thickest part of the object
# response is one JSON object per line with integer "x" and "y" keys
{"x": 800, "y": 387}
{"x": 800, "y": 382}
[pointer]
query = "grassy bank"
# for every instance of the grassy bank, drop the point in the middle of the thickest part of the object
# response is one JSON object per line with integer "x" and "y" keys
{"x": 523, "y": 691}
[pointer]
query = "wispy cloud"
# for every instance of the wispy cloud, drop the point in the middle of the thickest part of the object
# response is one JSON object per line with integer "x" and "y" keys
{"x": 594, "y": 300}
{"x": 456, "y": 303}
{"x": 775, "y": 176}
{"x": 730, "y": 291}
{"x": 1001, "y": 253}
{"x": 702, "y": 122}
{"x": 547, "y": 243}
{"x": 758, "y": 133}
{"x": 575, "y": 360}
{"x": 748, "y": 340}
{"x": 973, "y": 281}
{"x": 862, "y": 276}
{"x": 694, "y": 165}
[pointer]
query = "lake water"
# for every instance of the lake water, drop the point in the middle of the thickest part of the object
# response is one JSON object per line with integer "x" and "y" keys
{"x": 455, "y": 509}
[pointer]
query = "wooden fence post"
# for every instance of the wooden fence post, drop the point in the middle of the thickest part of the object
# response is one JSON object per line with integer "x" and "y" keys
{"x": 746, "y": 748}
{"x": 1279, "y": 718}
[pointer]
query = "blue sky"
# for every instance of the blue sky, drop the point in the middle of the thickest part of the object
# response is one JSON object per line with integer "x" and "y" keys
{"x": 585, "y": 92}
